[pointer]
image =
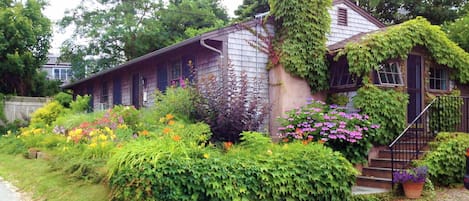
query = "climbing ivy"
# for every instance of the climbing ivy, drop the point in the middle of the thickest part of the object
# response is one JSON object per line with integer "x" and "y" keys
{"x": 386, "y": 107}
{"x": 397, "y": 41}
{"x": 301, "y": 27}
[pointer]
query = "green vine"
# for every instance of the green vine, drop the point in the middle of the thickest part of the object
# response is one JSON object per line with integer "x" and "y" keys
{"x": 446, "y": 112}
{"x": 386, "y": 108}
{"x": 398, "y": 41}
{"x": 301, "y": 27}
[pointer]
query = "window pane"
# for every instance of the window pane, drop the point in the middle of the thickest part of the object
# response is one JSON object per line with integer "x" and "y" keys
{"x": 56, "y": 74}
{"x": 63, "y": 74}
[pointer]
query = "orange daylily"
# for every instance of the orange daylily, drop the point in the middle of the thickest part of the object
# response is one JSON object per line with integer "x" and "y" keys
{"x": 169, "y": 116}
{"x": 166, "y": 130}
{"x": 176, "y": 138}
{"x": 227, "y": 145}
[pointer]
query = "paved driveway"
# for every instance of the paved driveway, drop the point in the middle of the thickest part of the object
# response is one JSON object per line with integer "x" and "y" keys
{"x": 7, "y": 193}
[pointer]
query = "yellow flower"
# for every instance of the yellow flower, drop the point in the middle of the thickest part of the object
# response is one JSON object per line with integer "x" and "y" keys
{"x": 171, "y": 122}
{"x": 9, "y": 132}
{"x": 102, "y": 137}
{"x": 162, "y": 120}
{"x": 37, "y": 131}
{"x": 206, "y": 155}
{"x": 93, "y": 145}
{"x": 122, "y": 126}
{"x": 169, "y": 116}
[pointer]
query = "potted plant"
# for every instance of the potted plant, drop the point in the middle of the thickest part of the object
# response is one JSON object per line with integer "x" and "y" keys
{"x": 412, "y": 180}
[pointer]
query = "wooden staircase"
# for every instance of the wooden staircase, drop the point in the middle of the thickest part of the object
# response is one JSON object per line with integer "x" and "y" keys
{"x": 378, "y": 174}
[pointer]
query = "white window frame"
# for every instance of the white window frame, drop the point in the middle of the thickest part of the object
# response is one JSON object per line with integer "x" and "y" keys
{"x": 444, "y": 77}
{"x": 395, "y": 74}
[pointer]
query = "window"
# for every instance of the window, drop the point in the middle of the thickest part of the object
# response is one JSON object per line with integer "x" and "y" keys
{"x": 342, "y": 17}
{"x": 62, "y": 74}
{"x": 438, "y": 79}
{"x": 175, "y": 72}
{"x": 389, "y": 74}
{"x": 340, "y": 75}
{"x": 57, "y": 74}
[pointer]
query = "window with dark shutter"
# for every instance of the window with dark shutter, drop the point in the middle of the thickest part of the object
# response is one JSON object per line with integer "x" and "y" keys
{"x": 342, "y": 16}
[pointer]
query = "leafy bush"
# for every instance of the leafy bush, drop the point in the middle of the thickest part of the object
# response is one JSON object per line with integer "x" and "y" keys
{"x": 64, "y": 99}
{"x": 228, "y": 105}
{"x": 348, "y": 133}
{"x": 80, "y": 104}
{"x": 175, "y": 100}
{"x": 447, "y": 161}
{"x": 47, "y": 114}
{"x": 171, "y": 169}
{"x": 10, "y": 144}
{"x": 385, "y": 107}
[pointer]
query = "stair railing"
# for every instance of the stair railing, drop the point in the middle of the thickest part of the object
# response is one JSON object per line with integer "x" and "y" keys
{"x": 409, "y": 144}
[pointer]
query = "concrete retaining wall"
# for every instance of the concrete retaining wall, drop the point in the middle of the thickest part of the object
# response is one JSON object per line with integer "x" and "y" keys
{"x": 20, "y": 107}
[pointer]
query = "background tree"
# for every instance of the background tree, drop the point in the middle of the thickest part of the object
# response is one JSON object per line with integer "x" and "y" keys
{"x": 250, "y": 8}
{"x": 108, "y": 33}
{"x": 458, "y": 31}
{"x": 24, "y": 45}
{"x": 397, "y": 11}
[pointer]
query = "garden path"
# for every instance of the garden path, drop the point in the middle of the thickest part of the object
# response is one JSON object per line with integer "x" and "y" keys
{"x": 8, "y": 192}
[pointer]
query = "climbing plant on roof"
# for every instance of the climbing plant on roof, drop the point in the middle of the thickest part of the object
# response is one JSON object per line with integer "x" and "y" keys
{"x": 301, "y": 27}
{"x": 397, "y": 42}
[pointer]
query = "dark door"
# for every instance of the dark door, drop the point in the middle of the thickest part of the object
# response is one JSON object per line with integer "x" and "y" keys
{"x": 136, "y": 90}
{"x": 117, "y": 92}
{"x": 414, "y": 86}
{"x": 162, "y": 78}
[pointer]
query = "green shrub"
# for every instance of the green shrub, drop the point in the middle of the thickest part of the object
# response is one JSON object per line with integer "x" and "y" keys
{"x": 170, "y": 169}
{"x": 388, "y": 108}
{"x": 447, "y": 160}
{"x": 348, "y": 133}
{"x": 47, "y": 114}
{"x": 80, "y": 104}
{"x": 10, "y": 144}
{"x": 64, "y": 99}
{"x": 176, "y": 101}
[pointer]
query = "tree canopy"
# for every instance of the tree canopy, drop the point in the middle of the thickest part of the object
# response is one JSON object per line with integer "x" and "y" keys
{"x": 458, "y": 31}
{"x": 397, "y": 11}
{"x": 108, "y": 33}
{"x": 24, "y": 45}
{"x": 250, "y": 8}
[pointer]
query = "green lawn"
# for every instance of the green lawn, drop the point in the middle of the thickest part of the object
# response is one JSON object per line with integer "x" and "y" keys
{"x": 35, "y": 177}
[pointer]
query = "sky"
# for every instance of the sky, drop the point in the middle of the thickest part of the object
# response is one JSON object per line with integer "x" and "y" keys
{"x": 56, "y": 9}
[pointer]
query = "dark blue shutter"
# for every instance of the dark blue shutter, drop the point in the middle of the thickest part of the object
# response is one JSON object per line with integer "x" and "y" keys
{"x": 162, "y": 78}
{"x": 117, "y": 92}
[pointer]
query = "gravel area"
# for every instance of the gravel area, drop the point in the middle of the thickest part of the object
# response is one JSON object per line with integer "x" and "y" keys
{"x": 452, "y": 194}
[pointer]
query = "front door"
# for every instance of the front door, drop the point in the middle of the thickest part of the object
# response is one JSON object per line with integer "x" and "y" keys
{"x": 414, "y": 86}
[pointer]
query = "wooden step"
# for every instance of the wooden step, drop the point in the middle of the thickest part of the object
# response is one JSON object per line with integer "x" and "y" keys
{"x": 376, "y": 182}
{"x": 399, "y": 154}
{"x": 408, "y": 145}
{"x": 386, "y": 163}
{"x": 377, "y": 172}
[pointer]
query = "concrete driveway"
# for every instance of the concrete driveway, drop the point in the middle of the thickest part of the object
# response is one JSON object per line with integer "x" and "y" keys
{"x": 7, "y": 192}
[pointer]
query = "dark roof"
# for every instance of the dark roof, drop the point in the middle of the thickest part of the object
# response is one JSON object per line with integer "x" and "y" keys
{"x": 162, "y": 51}
{"x": 356, "y": 38}
{"x": 360, "y": 11}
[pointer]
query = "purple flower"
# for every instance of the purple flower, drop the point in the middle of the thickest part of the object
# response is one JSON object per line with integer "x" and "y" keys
{"x": 418, "y": 174}
{"x": 290, "y": 126}
{"x": 282, "y": 128}
{"x": 374, "y": 126}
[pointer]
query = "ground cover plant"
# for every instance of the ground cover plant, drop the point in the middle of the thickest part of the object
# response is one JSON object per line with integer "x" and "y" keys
{"x": 348, "y": 133}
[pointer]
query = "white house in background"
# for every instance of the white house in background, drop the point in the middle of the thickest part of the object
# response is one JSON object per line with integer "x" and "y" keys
{"x": 57, "y": 70}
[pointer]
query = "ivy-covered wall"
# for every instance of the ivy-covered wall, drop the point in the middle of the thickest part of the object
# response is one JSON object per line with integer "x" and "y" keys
{"x": 301, "y": 27}
{"x": 399, "y": 40}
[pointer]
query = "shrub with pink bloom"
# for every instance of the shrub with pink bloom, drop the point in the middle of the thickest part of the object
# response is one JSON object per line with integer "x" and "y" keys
{"x": 347, "y": 133}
